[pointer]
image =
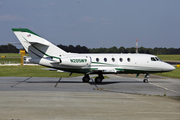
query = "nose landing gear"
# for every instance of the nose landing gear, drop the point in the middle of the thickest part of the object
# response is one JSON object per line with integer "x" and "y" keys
{"x": 146, "y": 78}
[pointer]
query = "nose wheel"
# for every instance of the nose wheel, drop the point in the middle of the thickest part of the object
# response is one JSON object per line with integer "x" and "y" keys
{"x": 146, "y": 78}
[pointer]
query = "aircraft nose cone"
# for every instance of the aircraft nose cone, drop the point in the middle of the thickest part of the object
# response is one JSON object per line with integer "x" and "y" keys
{"x": 170, "y": 68}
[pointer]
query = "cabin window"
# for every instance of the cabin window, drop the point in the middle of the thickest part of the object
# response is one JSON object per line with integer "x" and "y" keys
{"x": 153, "y": 59}
{"x": 97, "y": 59}
{"x": 105, "y": 59}
{"x": 128, "y": 59}
{"x": 113, "y": 59}
{"x": 120, "y": 59}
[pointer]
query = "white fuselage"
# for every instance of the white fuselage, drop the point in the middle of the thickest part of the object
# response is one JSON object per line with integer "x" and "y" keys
{"x": 45, "y": 53}
{"x": 112, "y": 63}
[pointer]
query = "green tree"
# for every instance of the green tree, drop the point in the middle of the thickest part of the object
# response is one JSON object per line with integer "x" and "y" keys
{"x": 8, "y": 49}
{"x": 121, "y": 49}
{"x": 112, "y": 50}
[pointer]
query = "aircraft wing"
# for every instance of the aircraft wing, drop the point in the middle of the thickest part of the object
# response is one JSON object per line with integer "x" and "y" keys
{"x": 52, "y": 69}
{"x": 106, "y": 70}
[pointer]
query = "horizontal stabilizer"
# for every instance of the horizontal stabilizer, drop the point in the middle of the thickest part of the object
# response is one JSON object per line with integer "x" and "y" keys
{"x": 36, "y": 42}
{"x": 52, "y": 69}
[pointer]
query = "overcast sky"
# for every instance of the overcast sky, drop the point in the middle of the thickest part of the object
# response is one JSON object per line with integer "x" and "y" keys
{"x": 94, "y": 23}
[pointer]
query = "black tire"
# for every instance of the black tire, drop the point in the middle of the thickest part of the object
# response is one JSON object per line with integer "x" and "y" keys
{"x": 145, "y": 80}
{"x": 98, "y": 80}
{"x": 85, "y": 79}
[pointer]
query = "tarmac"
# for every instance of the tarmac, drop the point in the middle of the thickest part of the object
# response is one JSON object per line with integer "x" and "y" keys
{"x": 120, "y": 97}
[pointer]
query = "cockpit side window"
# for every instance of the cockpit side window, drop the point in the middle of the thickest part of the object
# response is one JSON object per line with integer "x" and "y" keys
{"x": 153, "y": 59}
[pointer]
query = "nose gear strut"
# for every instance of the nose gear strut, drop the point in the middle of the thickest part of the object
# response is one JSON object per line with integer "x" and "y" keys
{"x": 146, "y": 78}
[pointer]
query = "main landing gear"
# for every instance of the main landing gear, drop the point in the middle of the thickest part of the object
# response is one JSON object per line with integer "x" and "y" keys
{"x": 98, "y": 79}
{"x": 146, "y": 78}
{"x": 86, "y": 78}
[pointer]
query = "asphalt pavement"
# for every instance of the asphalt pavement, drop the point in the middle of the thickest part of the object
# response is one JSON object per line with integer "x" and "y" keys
{"x": 118, "y": 97}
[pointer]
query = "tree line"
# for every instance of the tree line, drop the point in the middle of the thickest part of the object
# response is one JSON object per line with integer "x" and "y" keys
{"x": 83, "y": 49}
{"x": 155, "y": 51}
{"x": 8, "y": 49}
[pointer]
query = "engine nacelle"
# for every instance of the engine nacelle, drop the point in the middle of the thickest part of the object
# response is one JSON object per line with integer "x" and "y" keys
{"x": 81, "y": 61}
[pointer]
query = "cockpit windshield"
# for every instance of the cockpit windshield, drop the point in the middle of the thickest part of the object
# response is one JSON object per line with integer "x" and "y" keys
{"x": 158, "y": 59}
{"x": 155, "y": 59}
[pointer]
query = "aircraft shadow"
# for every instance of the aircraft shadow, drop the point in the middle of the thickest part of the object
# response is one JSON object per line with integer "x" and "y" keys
{"x": 105, "y": 83}
{"x": 54, "y": 82}
{"x": 91, "y": 82}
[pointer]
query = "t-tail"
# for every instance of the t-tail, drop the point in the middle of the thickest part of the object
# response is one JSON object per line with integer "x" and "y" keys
{"x": 36, "y": 46}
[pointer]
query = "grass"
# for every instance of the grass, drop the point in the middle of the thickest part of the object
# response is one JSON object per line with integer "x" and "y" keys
{"x": 35, "y": 71}
{"x": 169, "y": 57}
{"x": 10, "y": 55}
{"x": 9, "y": 60}
{"x": 172, "y": 74}
{"x": 31, "y": 71}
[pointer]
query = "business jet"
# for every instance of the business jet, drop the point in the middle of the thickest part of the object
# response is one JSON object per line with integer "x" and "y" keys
{"x": 45, "y": 53}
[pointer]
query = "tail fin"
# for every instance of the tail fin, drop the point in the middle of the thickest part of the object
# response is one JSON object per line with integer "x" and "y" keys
{"x": 35, "y": 45}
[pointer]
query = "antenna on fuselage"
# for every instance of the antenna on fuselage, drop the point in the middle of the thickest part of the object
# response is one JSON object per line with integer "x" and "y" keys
{"x": 136, "y": 45}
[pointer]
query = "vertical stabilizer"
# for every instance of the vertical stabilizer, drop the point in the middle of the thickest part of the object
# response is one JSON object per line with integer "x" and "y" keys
{"x": 35, "y": 45}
